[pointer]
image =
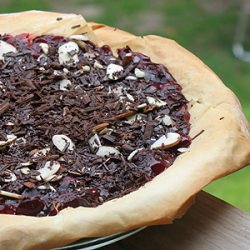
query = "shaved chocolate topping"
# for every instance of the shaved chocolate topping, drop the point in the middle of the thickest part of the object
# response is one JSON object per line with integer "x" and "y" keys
{"x": 80, "y": 126}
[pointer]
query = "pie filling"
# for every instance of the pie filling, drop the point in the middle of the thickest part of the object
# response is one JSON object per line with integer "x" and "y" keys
{"x": 80, "y": 126}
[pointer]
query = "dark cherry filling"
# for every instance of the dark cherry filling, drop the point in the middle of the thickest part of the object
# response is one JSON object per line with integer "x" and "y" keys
{"x": 79, "y": 126}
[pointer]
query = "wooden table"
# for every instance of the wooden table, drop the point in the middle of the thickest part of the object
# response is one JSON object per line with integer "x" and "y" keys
{"x": 210, "y": 224}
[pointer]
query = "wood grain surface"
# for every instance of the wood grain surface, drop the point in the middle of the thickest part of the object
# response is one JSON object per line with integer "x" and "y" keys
{"x": 210, "y": 224}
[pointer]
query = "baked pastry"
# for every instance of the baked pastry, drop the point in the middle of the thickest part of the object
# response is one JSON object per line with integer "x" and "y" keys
{"x": 219, "y": 130}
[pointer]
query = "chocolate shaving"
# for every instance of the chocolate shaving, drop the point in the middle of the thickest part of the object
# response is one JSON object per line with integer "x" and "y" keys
{"x": 93, "y": 113}
{"x": 4, "y": 107}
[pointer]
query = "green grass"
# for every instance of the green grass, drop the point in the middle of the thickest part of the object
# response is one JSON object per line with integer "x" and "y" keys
{"x": 234, "y": 188}
{"x": 207, "y": 33}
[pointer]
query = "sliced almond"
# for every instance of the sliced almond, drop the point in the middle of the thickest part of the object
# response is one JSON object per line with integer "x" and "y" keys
{"x": 131, "y": 78}
{"x": 124, "y": 115}
{"x": 94, "y": 142}
{"x": 182, "y": 150}
{"x": 63, "y": 141}
{"x": 154, "y": 101}
{"x": 10, "y": 138}
{"x": 43, "y": 187}
{"x": 165, "y": 120}
{"x": 25, "y": 170}
{"x": 133, "y": 153}
{"x": 6, "y": 48}
{"x": 117, "y": 91}
{"x": 143, "y": 105}
{"x": 168, "y": 141}
{"x": 112, "y": 69}
{"x": 106, "y": 151}
{"x": 39, "y": 153}
{"x": 66, "y": 55}
{"x": 130, "y": 97}
{"x": 82, "y": 37}
{"x": 26, "y": 164}
{"x": 100, "y": 127}
{"x": 136, "y": 117}
{"x": 139, "y": 73}
{"x": 48, "y": 170}
{"x": 54, "y": 178}
{"x": 106, "y": 131}
{"x": 10, "y": 124}
{"x": 11, "y": 195}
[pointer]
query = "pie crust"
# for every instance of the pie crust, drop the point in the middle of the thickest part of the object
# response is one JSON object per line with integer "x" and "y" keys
{"x": 222, "y": 148}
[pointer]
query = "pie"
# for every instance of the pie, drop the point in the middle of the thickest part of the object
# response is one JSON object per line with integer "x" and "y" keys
{"x": 103, "y": 131}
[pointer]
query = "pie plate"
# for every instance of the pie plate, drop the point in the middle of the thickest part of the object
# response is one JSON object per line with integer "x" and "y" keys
{"x": 95, "y": 243}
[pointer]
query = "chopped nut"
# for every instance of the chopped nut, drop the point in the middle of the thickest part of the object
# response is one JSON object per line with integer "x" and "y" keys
{"x": 48, "y": 170}
{"x": 94, "y": 142}
{"x": 6, "y": 48}
{"x": 65, "y": 110}
{"x": 168, "y": 141}
{"x": 68, "y": 52}
{"x": 10, "y": 176}
{"x": 106, "y": 151}
{"x": 112, "y": 69}
{"x": 117, "y": 90}
{"x": 65, "y": 70}
{"x": 64, "y": 84}
{"x": 139, "y": 73}
{"x": 38, "y": 153}
{"x": 63, "y": 142}
{"x": 97, "y": 65}
{"x": 44, "y": 47}
{"x": 86, "y": 68}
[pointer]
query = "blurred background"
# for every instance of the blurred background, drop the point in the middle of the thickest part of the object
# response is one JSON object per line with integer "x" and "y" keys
{"x": 205, "y": 27}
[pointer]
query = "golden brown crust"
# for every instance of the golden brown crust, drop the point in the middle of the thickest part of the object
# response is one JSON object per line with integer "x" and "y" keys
{"x": 224, "y": 147}
{"x": 40, "y": 22}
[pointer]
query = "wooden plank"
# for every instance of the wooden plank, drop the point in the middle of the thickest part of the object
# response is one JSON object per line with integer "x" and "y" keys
{"x": 210, "y": 224}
